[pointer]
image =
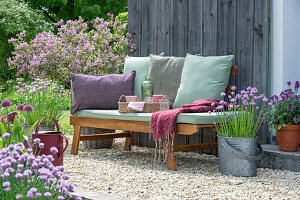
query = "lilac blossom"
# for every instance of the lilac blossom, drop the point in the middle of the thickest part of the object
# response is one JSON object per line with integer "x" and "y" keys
{"x": 74, "y": 49}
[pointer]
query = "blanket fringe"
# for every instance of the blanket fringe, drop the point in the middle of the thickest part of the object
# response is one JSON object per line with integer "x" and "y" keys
{"x": 164, "y": 147}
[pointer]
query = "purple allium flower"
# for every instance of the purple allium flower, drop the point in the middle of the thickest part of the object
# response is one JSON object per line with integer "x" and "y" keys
{"x": 288, "y": 83}
{"x": 233, "y": 88}
{"x": 71, "y": 187}
{"x": 36, "y": 140}
{"x": 249, "y": 88}
{"x": 47, "y": 194}
{"x": 6, "y": 103}
{"x": 53, "y": 150}
{"x": 295, "y": 119}
{"x": 245, "y": 102}
{"x": 6, "y": 135}
{"x": 60, "y": 198}
{"x": 7, "y": 189}
{"x": 223, "y": 94}
{"x": 6, "y": 184}
{"x": 41, "y": 145}
{"x": 30, "y": 195}
{"x": 17, "y": 87}
{"x": 3, "y": 118}
{"x": 20, "y": 107}
{"x": 28, "y": 108}
{"x": 19, "y": 196}
{"x": 19, "y": 83}
{"x": 297, "y": 85}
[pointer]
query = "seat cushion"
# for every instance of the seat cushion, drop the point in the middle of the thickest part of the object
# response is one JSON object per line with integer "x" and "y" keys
{"x": 185, "y": 118}
{"x": 203, "y": 78}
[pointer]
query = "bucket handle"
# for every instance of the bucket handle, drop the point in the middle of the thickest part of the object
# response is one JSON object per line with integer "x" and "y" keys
{"x": 39, "y": 123}
{"x": 241, "y": 155}
{"x": 67, "y": 144}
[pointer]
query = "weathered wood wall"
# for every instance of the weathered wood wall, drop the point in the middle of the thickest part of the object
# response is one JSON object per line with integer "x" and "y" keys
{"x": 207, "y": 27}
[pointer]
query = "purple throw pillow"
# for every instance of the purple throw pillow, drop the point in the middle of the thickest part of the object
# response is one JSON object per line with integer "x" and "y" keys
{"x": 100, "y": 92}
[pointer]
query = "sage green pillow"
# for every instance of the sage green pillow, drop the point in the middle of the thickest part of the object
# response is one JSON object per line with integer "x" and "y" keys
{"x": 141, "y": 67}
{"x": 203, "y": 78}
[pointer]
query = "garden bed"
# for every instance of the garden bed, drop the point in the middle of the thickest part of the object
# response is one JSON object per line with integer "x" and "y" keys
{"x": 133, "y": 175}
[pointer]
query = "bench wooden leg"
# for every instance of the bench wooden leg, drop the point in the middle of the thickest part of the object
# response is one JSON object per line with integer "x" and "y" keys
{"x": 128, "y": 142}
{"x": 76, "y": 139}
{"x": 171, "y": 164}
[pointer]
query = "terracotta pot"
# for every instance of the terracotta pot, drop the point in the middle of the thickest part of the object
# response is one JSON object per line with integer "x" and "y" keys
{"x": 288, "y": 138}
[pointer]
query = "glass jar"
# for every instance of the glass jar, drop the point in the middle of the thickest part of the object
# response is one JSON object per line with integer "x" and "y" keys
{"x": 147, "y": 88}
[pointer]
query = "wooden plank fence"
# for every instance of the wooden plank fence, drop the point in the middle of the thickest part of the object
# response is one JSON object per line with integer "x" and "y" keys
{"x": 206, "y": 27}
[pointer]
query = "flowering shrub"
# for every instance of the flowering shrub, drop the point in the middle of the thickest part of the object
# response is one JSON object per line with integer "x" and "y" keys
{"x": 12, "y": 134}
{"x": 73, "y": 49}
{"x": 242, "y": 115}
{"x": 285, "y": 108}
{"x": 26, "y": 176}
{"x": 46, "y": 98}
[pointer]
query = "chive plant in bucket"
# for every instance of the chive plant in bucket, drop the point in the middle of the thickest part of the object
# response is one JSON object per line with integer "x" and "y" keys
{"x": 284, "y": 116}
{"x": 238, "y": 121}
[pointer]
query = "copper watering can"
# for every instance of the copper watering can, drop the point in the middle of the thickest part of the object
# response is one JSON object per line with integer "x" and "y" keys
{"x": 50, "y": 139}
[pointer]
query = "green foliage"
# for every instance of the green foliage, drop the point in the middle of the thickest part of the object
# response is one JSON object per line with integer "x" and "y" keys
{"x": 14, "y": 18}
{"x": 123, "y": 17}
{"x": 72, "y": 9}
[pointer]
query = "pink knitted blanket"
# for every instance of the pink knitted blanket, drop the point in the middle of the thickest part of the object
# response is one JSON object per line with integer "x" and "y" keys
{"x": 163, "y": 123}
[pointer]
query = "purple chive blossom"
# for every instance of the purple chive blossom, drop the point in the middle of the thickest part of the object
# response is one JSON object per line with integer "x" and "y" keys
{"x": 60, "y": 198}
{"x": 33, "y": 190}
{"x": 297, "y": 85}
{"x": 265, "y": 99}
{"x": 233, "y": 88}
{"x": 30, "y": 195}
{"x": 41, "y": 145}
{"x": 295, "y": 119}
{"x": 36, "y": 140}
{"x": 19, "y": 196}
{"x": 7, "y": 189}
{"x": 28, "y": 108}
{"x": 288, "y": 83}
{"x": 6, "y": 135}
{"x": 20, "y": 107}
{"x": 6, "y": 184}
{"x": 6, "y": 103}
{"x": 53, "y": 150}
{"x": 292, "y": 110}
{"x": 11, "y": 147}
{"x": 78, "y": 198}
{"x": 38, "y": 195}
{"x": 223, "y": 94}
{"x": 47, "y": 194}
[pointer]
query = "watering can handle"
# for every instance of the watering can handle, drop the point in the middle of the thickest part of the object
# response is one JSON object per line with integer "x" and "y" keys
{"x": 67, "y": 144}
{"x": 39, "y": 123}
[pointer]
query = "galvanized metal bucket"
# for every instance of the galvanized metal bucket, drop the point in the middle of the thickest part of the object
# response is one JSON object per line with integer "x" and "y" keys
{"x": 239, "y": 156}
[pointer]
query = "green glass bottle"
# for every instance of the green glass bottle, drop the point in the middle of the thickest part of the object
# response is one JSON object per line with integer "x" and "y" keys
{"x": 147, "y": 88}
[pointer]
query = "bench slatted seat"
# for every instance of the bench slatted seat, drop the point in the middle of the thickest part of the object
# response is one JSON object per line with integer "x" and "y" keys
{"x": 187, "y": 124}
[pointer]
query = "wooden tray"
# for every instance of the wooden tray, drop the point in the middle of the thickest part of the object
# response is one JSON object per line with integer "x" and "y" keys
{"x": 148, "y": 107}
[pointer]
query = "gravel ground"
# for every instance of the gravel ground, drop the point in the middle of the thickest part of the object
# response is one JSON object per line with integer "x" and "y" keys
{"x": 133, "y": 175}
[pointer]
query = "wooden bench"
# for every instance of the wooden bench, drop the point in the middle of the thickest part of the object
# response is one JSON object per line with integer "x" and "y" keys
{"x": 131, "y": 126}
